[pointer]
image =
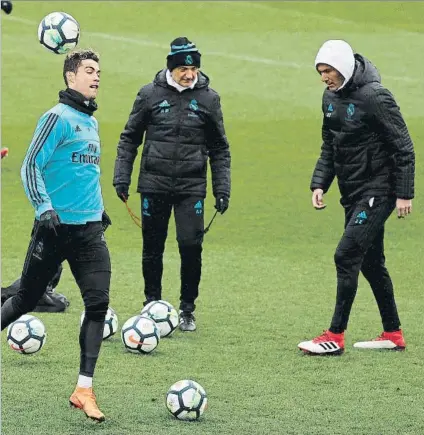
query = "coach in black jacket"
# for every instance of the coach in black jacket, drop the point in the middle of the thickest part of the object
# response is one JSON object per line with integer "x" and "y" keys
{"x": 181, "y": 118}
{"x": 366, "y": 145}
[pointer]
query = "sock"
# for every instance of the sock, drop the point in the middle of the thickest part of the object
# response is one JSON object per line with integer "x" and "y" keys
{"x": 85, "y": 381}
{"x": 91, "y": 337}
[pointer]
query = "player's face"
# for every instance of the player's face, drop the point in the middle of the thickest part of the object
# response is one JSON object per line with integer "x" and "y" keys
{"x": 87, "y": 79}
{"x": 185, "y": 75}
{"x": 330, "y": 76}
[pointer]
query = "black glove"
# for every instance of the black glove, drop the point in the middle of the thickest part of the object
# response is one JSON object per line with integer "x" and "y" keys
{"x": 6, "y": 6}
{"x": 221, "y": 203}
{"x": 50, "y": 220}
{"x": 122, "y": 191}
{"x": 105, "y": 221}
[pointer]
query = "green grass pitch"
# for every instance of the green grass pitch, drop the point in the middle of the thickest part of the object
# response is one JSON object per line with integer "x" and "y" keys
{"x": 268, "y": 278}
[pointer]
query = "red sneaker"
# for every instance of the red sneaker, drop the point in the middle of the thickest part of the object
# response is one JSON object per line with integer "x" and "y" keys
{"x": 327, "y": 343}
{"x": 387, "y": 340}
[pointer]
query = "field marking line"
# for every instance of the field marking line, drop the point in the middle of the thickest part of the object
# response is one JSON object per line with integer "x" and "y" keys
{"x": 241, "y": 57}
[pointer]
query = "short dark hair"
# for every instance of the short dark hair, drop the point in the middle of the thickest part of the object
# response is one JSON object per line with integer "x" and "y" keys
{"x": 74, "y": 58}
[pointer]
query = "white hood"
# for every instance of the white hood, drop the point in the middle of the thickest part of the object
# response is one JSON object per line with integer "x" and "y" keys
{"x": 338, "y": 54}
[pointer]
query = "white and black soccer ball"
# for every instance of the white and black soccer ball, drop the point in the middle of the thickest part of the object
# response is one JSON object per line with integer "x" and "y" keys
{"x": 164, "y": 314}
{"x": 27, "y": 334}
{"x": 140, "y": 334}
{"x": 111, "y": 323}
{"x": 186, "y": 400}
{"x": 59, "y": 32}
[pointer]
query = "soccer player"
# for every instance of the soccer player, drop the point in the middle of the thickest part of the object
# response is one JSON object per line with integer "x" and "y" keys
{"x": 366, "y": 145}
{"x": 181, "y": 118}
{"x": 61, "y": 177}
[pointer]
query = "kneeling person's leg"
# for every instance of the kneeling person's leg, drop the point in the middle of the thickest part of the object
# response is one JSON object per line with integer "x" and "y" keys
{"x": 41, "y": 263}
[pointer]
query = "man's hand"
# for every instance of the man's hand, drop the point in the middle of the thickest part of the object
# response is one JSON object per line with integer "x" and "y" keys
{"x": 50, "y": 220}
{"x": 222, "y": 203}
{"x": 4, "y": 152}
{"x": 122, "y": 192}
{"x": 106, "y": 222}
{"x": 403, "y": 207}
{"x": 317, "y": 199}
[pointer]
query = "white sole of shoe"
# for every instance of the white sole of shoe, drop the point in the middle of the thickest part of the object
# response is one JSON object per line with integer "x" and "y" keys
{"x": 334, "y": 352}
{"x": 380, "y": 344}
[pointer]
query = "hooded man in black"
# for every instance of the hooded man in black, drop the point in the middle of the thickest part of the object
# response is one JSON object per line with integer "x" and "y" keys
{"x": 366, "y": 145}
{"x": 181, "y": 120}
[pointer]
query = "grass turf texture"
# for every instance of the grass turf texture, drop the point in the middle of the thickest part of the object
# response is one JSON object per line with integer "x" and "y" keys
{"x": 268, "y": 278}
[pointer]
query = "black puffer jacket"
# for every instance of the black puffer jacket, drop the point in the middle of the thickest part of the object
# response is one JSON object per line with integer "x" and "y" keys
{"x": 366, "y": 143}
{"x": 182, "y": 130}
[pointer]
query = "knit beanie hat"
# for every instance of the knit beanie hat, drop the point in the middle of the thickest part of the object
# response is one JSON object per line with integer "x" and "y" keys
{"x": 183, "y": 53}
{"x": 338, "y": 54}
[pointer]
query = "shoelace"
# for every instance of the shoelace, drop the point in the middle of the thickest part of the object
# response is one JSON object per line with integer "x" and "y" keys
{"x": 382, "y": 336}
{"x": 323, "y": 337}
{"x": 189, "y": 318}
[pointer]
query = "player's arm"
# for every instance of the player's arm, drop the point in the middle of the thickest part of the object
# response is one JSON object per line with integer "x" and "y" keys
{"x": 219, "y": 152}
{"x": 324, "y": 172}
{"x": 130, "y": 139}
{"x": 391, "y": 126}
{"x": 48, "y": 135}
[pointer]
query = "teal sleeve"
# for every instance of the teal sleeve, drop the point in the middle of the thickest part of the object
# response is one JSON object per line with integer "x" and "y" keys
{"x": 47, "y": 136}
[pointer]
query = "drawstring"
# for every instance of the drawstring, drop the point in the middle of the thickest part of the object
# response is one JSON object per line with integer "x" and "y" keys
{"x": 210, "y": 223}
{"x": 137, "y": 220}
{"x": 134, "y": 217}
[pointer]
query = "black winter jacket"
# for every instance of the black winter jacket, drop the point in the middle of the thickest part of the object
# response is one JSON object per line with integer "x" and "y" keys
{"x": 366, "y": 143}
{"x": 182, "y": 130}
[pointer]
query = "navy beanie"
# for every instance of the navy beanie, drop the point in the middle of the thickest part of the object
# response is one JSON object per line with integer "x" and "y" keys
{"x": 183, "y": 53}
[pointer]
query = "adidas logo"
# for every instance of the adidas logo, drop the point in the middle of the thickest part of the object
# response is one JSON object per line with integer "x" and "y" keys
{"x": 164, "y": 107}
{"x": 198, "y": 207}
{"x": 77, "y": 129}
{"x": 329, "y": 345}
{"x": 361, "y": 218}
{"x": 164, "y": 104}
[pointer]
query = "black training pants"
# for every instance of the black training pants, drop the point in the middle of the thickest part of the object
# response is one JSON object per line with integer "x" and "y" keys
{"x": 189, "y": 219}
{"x": 361, "y": 248}
{"x": 85, "y": 249}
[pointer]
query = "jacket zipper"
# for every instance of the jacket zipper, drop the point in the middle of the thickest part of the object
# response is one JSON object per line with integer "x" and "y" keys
{"x": 177, "y": 144}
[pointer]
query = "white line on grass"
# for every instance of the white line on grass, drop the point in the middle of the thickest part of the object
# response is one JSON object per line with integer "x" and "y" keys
{"x": 244, "y": 58}
{"x": 149, "y": 43}
{"x": 292, "y": 12}
{"x": 313, "y": 15}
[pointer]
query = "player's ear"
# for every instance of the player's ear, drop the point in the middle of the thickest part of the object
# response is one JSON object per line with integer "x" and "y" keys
{"x": 70, "y": 77}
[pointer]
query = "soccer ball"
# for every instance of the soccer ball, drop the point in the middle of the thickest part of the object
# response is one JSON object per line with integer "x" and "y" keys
{"x": 26, "y": 335}
{"x": 164, "y": 314}
{"x": 59, "y": 32}
{"x": 111, "y": 323}
{"x": 186, "y": 400}
{"x": 140, "y": 334}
